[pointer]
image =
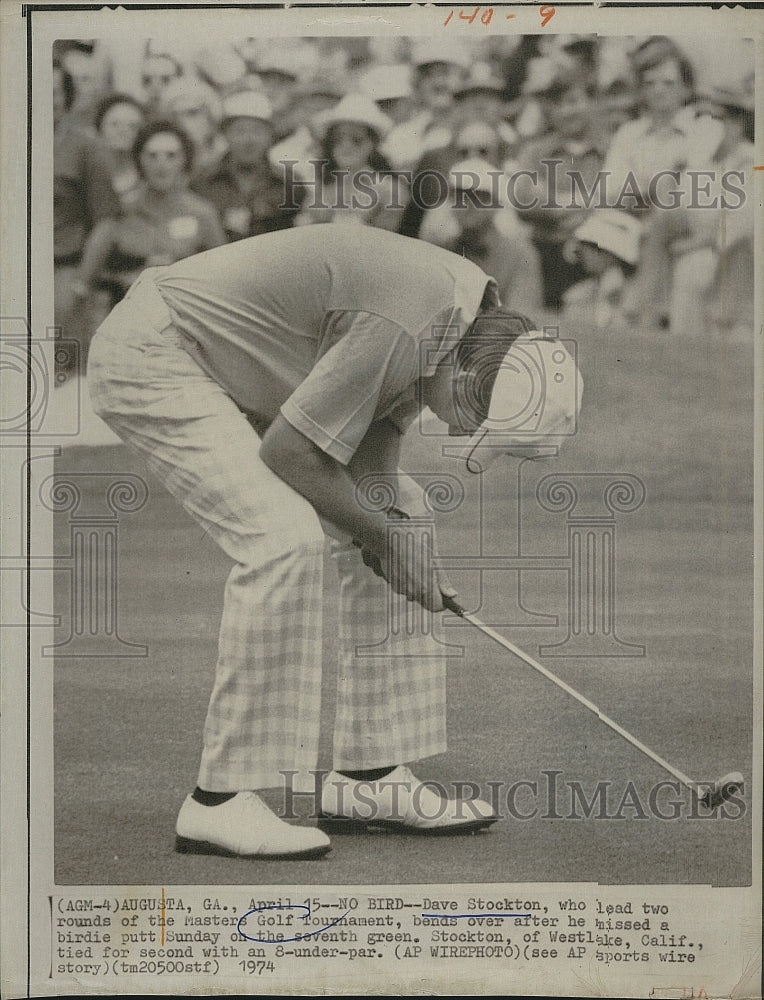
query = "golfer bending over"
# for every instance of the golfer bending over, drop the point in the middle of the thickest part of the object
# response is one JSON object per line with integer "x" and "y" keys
{"x": 261, "y": 381}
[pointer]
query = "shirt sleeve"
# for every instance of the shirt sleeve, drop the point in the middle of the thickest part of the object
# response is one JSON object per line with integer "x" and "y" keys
{"x": 365, "y": 368}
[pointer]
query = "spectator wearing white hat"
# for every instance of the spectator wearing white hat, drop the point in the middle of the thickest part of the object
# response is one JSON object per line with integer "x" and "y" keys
{"x": 438, "y": 69}
{"x": 294, "y": 154}
{"x": 476, "y": 200}
{"x": 608, "y": 246}
{"x": 389, "y": 86}
{"x": 480, "y": 97}
{"x": 195, "y": 106}
{"x": 278, "y": 76}
{"x": 353, "y": 181}
{"x": 246, "y": 189}
{"x": 475, "y": 139}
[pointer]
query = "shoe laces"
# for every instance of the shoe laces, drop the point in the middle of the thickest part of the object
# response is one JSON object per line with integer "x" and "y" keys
{"x": 251, "y": 799}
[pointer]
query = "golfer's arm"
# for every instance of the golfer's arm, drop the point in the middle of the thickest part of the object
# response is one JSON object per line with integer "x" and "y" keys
{"x": 327, "y": 484}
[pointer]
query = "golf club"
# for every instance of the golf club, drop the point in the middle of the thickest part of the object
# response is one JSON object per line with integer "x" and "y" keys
{"x": 711, "y": 797}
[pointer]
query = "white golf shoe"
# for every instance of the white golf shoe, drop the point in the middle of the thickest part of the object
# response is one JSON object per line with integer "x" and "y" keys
{"x": 244, "y": 826}
{"x": 399, "y": 802}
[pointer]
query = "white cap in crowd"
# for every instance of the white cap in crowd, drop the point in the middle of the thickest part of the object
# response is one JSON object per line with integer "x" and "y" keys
{"x": 427, "y": 51}
{"x": 481, "y": 78}
{"x": 358, "y": 109}
{"x": 477, "y": 175}
{"x": 613, "y": 230}
{"x": 190, "y": 91}
{"x": 247, "y": 104}
{"x": 386, "y": 82}
{"x": 277, "y": 60}
{"x": 545, "y": 74}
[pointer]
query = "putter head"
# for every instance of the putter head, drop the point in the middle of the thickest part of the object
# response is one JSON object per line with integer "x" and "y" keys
{"x": 722, "y": 790}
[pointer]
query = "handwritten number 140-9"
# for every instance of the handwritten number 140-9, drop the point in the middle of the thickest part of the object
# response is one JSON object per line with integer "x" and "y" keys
{"x": 546, "y": 12}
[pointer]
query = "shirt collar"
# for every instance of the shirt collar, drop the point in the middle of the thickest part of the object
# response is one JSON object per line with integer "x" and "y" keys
{"x": 472, "y": 288}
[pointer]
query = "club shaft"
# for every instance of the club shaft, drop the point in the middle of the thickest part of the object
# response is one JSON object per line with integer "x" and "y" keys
{"x": 522, "y": 655}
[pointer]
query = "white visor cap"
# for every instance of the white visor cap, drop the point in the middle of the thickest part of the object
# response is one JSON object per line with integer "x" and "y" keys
{"x": 535, "y": 402}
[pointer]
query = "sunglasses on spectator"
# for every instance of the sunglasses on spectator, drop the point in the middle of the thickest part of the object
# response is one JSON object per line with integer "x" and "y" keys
{"x": 164, "y": 78}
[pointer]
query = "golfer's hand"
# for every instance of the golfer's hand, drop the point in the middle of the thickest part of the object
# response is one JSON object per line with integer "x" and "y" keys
{"x": 409, "y": 567}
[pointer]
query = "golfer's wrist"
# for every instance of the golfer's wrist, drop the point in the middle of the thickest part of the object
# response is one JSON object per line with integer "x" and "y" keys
{"x": 371, "y": 532}
{"x": 376, "y": 529}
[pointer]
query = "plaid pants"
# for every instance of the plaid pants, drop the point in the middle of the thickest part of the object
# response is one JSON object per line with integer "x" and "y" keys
{"x": 264, "y": 710}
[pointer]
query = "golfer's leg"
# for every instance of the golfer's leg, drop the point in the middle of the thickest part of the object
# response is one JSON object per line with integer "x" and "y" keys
{"x": 391, "y": 685}
{"x": 264, "y": 709}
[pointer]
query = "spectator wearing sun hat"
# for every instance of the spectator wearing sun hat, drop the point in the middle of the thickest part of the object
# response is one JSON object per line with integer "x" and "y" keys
{"x": 246, "y": 190}
{"x": 480, "y": 97}
{"x": 608, "y": 247}
{"x": 278, "y": 75}
{"x": 353, "y": 182}
{"x": 313, "y": 97}
{"x": 389, "y": 86}
{"x": 475, "y": 139}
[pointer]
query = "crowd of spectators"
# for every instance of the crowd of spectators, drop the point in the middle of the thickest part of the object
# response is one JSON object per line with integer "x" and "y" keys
{"x": 414, "y": 135}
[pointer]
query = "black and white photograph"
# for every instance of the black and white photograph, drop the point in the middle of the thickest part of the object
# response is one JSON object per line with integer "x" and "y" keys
{"x": 381, "y": 481}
